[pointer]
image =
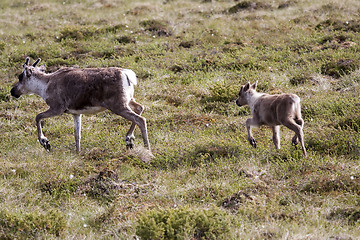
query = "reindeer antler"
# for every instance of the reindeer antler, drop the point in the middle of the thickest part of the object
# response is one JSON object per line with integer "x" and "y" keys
{"x": 36, "y": 62}
{"x": 26, "y": 62}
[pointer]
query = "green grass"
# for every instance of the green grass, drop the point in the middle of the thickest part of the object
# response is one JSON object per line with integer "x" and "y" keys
{"x": 205, "y": 181}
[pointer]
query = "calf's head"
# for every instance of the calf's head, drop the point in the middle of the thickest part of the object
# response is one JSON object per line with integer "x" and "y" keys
{"x": 245, "y": 93}
{"x": 26, "y": 80}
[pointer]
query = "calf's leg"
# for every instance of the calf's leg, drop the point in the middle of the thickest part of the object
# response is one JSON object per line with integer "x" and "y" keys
{"x": 276, "y": 136}
{"x": 137, "y": 108}
{"x": 292, "y": 125}
{"x": 295, "y": 139}
{"x": 251, "y": 139}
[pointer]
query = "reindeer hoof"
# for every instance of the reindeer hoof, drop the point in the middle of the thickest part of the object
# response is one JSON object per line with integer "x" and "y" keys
{"x": 295, "y": 141}
{"x": 252, "y": 142}
{"x": 45, "y": 143}
{"x": 129, "y": 142}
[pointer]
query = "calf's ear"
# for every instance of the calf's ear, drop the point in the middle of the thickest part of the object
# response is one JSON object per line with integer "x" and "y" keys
{"x": 247, "y": 86}
{"x": 254, "y": 85}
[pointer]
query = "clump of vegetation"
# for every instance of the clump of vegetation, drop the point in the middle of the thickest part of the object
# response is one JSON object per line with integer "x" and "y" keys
{"x": 59, "y": 187}
{"x": 340, "y": 184}
{"x": 223, "y": 92}
{"x": 184, "y": 223}
{"x": 234, "y": 202}
{"x": 339, "y": 25}
{"x": 221, "y": 99}
{"x": 186, "y": 44}
{"x": 126, "y": 39}
{"x": 301, "y": 78}
{"x": 4, "y": 94}
{"x": 339, "y": 68}
{"x": 157, "y": 27}
{"x": 349, "y": 123}
{"x": 286, "y": 4}
{"x": 77, "y": 32}
{"x": 103, "y": 186}
{"x": 352, "y": 215}
{"x": 335, "y": 143}
{"x": 248, "y": 5}
{"x": 31, "y": 225}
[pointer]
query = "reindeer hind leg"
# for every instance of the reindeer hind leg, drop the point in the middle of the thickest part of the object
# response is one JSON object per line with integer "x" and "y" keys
{"x": 137, "y": 108}
{"x": 300, "y": 122}
{"x": 299, "y": 134}
{"x": 127, "y": 113}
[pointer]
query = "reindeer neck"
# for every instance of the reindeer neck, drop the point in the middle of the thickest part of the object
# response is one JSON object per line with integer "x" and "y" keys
{"x": 253, "y": 97}
{"x": 38, "y": 84}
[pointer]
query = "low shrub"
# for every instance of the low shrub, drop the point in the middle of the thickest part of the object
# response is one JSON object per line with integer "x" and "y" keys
{"x": 335, "y": 143}
{"x": 352, "y": 215}
{"x": 54, "y": 63}
{"x": 339, "y": 25}
{"x": 339, "y": 68}
{"x": 4, "y": 94}
{"x": 349, "y": 123}
{"x": 341, "y": 184}
{"x": 223, "y": 92}
{"x": 77, "y": 32}
{"x": 184, "y": 223}
{"x": 59, "y": 187}
{"x": 30, "y": 225}
{"x": 156, "y": 26}
{"x": 300, "y": 78}
{"x": 125, "y": 39}
{"x": 227, "y": 109}
{"x": 248, "y": 5}
{"x": 102, "y": 186}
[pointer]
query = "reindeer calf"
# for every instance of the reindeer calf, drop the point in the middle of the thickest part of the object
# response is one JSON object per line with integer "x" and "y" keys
{"x": 273, "y": 111}
{"x": 83, "y": 91}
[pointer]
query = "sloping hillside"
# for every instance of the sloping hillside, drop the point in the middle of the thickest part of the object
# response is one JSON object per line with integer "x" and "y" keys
{"x": 205, "y": 180}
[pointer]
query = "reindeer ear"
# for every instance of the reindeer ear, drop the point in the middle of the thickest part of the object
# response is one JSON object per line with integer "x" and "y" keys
{"x": 247, "y": 86}
{"x": 254, "y": 85}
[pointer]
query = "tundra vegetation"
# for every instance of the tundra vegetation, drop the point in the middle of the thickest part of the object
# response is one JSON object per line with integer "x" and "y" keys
{"x": 204, "y": 181}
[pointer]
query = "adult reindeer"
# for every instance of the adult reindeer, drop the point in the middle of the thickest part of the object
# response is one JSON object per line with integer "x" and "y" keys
{"x": 273, "y": 111}
{"x": 83, "y": 91}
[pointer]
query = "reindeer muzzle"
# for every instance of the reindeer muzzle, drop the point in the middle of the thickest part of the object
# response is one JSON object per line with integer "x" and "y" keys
{"x": 15, "y": 93}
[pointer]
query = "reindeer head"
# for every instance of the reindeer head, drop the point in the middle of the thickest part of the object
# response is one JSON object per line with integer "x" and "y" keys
{"x": 26, "y": 80}
{"x": 244, "y": 94}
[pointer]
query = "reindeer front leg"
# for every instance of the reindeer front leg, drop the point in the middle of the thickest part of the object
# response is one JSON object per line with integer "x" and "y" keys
{"x": 77, "y": 123}
{"x": 47, "y": 114}
{"x": 276, "y": 136}
{"x": 251, "y": 139}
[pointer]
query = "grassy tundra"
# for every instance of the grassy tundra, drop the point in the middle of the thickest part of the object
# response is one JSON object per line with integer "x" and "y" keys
{"x": 205, "y": 181}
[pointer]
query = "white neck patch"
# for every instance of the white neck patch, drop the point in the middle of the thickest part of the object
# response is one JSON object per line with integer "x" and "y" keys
{"x": 36, "y": 86}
